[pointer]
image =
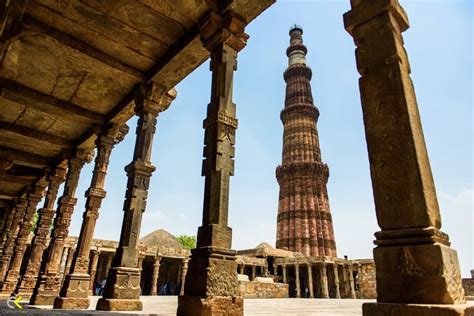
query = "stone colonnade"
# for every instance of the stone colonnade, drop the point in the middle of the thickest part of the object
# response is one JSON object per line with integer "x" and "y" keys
{"x": 412, "y": 253}
{"x": 312, "y": 279}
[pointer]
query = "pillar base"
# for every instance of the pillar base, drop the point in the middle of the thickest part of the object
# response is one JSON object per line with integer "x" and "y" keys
{"x": 122, "y": 290}
{"x": 388, "y": 309}
{"x": 71, "y": 303}
{"x": 42, "y": 299}
{"x": 113, "y": 304}
{"x": 418, "y": 274}
{"x": 190, "y": 305}
{"x": 47, "y": 290}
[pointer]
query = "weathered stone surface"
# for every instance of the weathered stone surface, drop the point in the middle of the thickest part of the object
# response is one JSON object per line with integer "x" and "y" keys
{"x": 77, "y": 283}
{"x": 257, "y": 289}
{"x": 304, "y": 222}
{"x": 49, "y": 281}
{"x": 189, "y": 305}
{"x": 41, "y": 233}
{"x": 413, "y": 259}
{"x": 122, "y": 304}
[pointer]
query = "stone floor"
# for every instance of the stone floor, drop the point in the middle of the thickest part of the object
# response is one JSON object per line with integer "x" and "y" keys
{"x": 166, "y": 305}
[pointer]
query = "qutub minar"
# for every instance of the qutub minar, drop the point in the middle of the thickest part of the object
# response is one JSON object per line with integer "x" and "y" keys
{"x": 304, "y": 217}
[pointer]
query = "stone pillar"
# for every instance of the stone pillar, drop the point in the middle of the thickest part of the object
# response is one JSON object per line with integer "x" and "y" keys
{"x": 242, "y": 268}
{"x": 93, "y": 269}
{"x": 297, "y": 281}
{"x": 76, "y": 287}
{"x": 211, "y": 284}
{"x": 284, "y": 274}
{"x": 62, "y": 265}
{"x": 49, "y": 282}
{"x": 67, "y": 267}
{"x": 254, "y": 272}
{"x": 310, "y": 281}
{"x": 11, "y": 279}
{"x": 413, "y": 258}
{"x": 184, "y": 271}
{"x": 7, "y": 225}
{"x": 352, "y": 292}
{"x": 359, "y": 280}
{"x": 324, "y": 281}
{"x": 122, "y": 290}
{"x": 154, "y": 278}
{"x": 336, "y": 281}
{"x": 19, "y": 213}
{"x": 275, "y": 270}
{"x": 41, "y": 235}
{"x": 345, "y": 281}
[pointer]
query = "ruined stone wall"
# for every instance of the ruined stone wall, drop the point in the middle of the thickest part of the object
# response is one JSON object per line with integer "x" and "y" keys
{"x": 468, "y": 285}
{"x": 367, "y": 285}
{"x": 252, "y": 289}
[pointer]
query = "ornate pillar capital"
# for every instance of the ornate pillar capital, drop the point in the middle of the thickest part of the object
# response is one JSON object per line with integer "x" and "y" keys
{"x": 226, "y": 29}
{"x": 153, "y": 98}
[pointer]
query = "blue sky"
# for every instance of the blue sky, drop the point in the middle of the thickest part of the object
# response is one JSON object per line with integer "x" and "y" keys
{"x": 439, "y": 43}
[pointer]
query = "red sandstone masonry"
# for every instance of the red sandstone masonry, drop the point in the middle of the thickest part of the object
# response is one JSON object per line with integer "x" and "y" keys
{"x": 304, "y": 221}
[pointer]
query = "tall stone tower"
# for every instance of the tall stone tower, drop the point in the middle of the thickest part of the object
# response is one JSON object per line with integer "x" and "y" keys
{"x": 304, "y": 219}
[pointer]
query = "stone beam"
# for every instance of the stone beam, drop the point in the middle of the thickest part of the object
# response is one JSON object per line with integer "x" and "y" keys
{"x": 11, "y": 13}
{"x": 6, "y": 194}
{"x": 24, "y": 95}
{"x": 84, "y": 48}
{"x": 18, "y": 179}
{"x": 25, "y": 159}
{"x": 25, "y": 131}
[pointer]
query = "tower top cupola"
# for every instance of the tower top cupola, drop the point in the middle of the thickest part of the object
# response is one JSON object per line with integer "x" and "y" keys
{"x": 296, "y": 52}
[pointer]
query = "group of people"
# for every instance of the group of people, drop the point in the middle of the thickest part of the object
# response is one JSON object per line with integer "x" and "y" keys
{"x": 99, "y": 286}
{"x": 168, "y": 288}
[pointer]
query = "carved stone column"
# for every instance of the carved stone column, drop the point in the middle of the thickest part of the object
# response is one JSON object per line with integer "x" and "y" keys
{"x": 254, "y": 272}
{"x": 324, "y": 280}
{"x": 76, "y": 287}
{"x": 67, "y": 267}
{"x": 352, "y": 292}
{"x": 11, "y": 279}
{"x": 93, "y": 269}
{"x": 310, "y": 280}
{"x": 211, "y": 284}
{"x": 345, "y": 281}
{"x": 155, "y": 276}
{"x": 122, "y": 290}
{"x": 41, "y": 235}
{"x": 7, "y": 225}
{"x": 297, "y": 281}
{"x": 336, "y": 281}
{"x": 19, "y": 213}
{"x": 49, "y": 282}
{"x": 414, "y": 261}
{"x": 184, "y": 271}
{"x": 359, "y": 280}
{"x": 284, "y": 274}
{"x": 62, "y": 265}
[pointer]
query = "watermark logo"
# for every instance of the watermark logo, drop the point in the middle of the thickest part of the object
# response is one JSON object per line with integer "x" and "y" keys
{"x": 14, "y": 302}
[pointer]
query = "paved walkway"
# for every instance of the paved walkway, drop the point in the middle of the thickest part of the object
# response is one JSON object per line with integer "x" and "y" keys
{"x": 167, "y": 305}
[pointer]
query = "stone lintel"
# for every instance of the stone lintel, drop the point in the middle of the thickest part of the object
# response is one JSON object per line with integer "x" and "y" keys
{"x": 365, "y": 10}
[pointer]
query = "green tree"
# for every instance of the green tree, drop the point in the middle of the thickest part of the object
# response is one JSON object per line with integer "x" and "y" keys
{"x": 188, "y": 242}
{"x": 35, "y": 222}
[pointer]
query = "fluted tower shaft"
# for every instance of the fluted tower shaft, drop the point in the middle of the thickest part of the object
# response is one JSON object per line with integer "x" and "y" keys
{"x": 304, "y": 219}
